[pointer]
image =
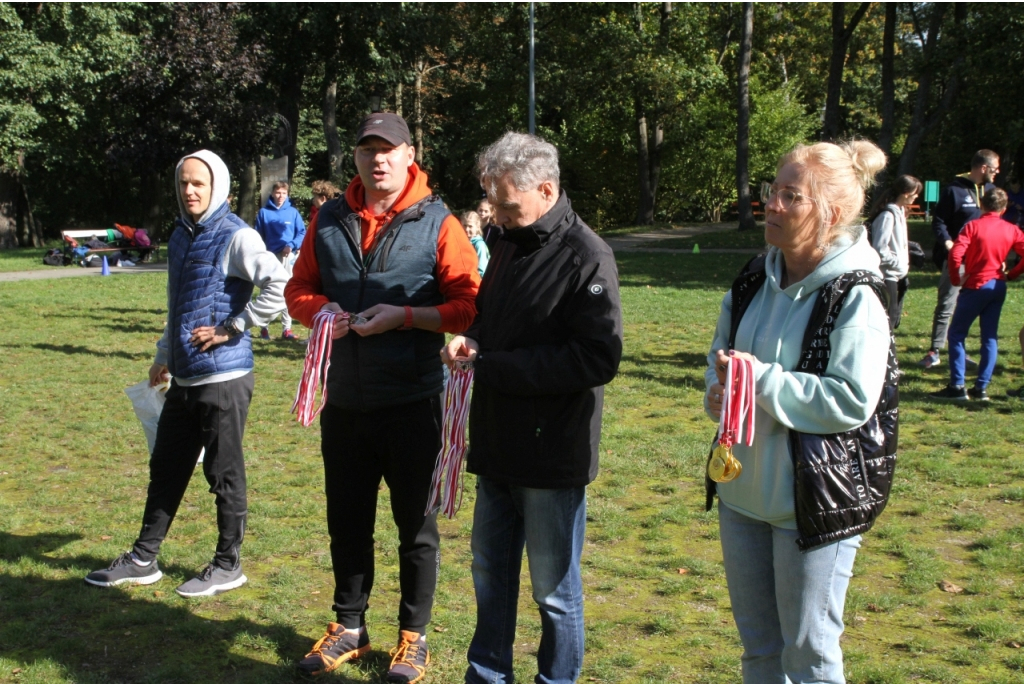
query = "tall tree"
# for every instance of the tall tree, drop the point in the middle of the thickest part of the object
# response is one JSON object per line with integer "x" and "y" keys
{"x": 926, "y": 116}
{"x": 885, "y": 133}
{"x": 841, "y": 34}
{"x": 746, "y": 212}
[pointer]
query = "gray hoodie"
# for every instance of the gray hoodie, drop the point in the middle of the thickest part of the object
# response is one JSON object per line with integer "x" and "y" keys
{"x": 246, "y": 257}
{"x": 889, "y": 238}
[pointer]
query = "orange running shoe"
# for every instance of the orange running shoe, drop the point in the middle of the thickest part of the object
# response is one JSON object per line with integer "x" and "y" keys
{"x": 335, "y": 648}
{"x": 409, "y": 660}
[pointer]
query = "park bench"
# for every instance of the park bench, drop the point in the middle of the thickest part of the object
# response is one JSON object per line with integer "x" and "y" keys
{"x": 734, "y": 209}
{"x": 114, "y": 238}
{"x": 915, "y": 212}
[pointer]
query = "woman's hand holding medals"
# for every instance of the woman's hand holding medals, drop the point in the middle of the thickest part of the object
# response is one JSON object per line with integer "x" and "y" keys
{"x": 732, "y": 398}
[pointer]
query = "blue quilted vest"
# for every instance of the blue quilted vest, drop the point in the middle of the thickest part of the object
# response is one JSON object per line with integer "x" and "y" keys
{"x": 395, "y": 367}
{"x": 198, "y": 294}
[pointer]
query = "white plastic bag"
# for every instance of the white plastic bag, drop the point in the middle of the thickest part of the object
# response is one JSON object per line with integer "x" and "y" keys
{"x": 148, "y": 403}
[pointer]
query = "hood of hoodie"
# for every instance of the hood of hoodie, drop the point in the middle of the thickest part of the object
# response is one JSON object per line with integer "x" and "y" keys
{"x": 221, "y": 182}
{"x": 847, "y": 253}
{"x": 416, "y": 188}
{"x": 272, "y": 206}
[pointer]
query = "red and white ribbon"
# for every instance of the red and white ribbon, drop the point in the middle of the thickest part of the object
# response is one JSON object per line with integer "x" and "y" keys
{"x": 737, "y": 403}
{"x": 446, "y": 484}
{"x": 314, "y": 373}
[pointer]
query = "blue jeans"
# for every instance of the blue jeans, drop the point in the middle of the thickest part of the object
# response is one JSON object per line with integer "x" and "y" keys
{"x": 987, "y": 303}
{"x": 551, "y": 524}
{"x": 788, "y": 604}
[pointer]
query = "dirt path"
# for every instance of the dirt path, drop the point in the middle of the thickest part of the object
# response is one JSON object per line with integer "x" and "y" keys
{"x": 77, "y": 272}
{"x": 643, "y": 242}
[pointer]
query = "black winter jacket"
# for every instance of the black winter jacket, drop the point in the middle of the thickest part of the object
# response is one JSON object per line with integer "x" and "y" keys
{"x": 958, "y": 203}
{"x": 549, "y": 325}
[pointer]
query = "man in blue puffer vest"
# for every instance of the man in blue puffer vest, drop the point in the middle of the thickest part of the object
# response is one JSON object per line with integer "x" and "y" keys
{"x": 214, "y": 260}
{"x": 280, "y": 225}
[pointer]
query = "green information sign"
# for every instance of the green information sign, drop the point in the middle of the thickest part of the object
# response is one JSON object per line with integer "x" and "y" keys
{"x": 931, "y": 191}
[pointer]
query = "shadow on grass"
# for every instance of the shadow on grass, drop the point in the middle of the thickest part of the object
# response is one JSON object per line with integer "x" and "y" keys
{"x": 79, "y": 349}
{"x": 113, "y": 635}
{"x": 688, "y": 361}
{"x": 129, "y": 310}
{"x": 289, "y": 350}
{"x": 683, "y": 271}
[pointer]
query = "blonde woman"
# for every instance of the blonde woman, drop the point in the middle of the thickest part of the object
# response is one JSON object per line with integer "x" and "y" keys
{"x": 473, "y": 225}
{"x": 789, "y": 533}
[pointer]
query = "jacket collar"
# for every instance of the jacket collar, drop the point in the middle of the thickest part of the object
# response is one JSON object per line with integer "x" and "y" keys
{"x": 195, "y": 228}
{"x": 542, "y": 231}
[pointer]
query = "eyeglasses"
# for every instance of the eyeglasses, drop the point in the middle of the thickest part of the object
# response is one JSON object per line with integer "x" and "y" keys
{"x": 787, "y": 197}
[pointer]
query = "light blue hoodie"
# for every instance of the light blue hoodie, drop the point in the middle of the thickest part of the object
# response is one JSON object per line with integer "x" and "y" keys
{"x": 772, "y": 329}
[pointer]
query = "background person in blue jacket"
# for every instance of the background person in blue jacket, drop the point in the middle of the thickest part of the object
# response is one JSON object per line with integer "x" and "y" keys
{"x": 280, "y": 225}
{"x": 214, "y": 261}
{"x": 958, "y": 203}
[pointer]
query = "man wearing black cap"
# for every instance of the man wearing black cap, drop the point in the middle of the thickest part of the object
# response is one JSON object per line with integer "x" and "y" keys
{"x": 389, "y": 251}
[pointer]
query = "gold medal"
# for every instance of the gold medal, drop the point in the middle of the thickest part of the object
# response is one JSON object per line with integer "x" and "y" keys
{"x": 723, "y": 466}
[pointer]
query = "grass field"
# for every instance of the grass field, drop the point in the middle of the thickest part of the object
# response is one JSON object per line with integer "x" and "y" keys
{"x": 73, "y": 480}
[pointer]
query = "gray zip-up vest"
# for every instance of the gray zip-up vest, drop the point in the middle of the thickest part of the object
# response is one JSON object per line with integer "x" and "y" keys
{"x": 396, "y": 367}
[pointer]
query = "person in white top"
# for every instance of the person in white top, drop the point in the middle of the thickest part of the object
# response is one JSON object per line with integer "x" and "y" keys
{"x": 888, "y": 233}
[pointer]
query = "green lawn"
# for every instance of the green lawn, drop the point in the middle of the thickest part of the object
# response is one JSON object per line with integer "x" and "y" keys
{"x": 73, "y": 480}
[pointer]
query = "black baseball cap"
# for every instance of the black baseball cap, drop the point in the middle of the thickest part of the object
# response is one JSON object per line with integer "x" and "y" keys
{"x": 386, "y": 125}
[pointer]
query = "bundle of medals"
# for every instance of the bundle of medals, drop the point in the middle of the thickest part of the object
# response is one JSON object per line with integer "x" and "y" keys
{"x": 737, "y": 414}
{"x": 318, "y": 361}
{"x": 446, "y": 484}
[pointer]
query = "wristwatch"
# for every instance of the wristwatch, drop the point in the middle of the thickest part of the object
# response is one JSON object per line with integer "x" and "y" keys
{"x": 231, "y": 328}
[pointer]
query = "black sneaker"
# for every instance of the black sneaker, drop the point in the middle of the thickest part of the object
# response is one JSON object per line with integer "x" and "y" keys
{"x": 124, "y": 571}
{"x": 957, "y": 393}
{"x": 212, "y": 580}
{"x": 978, "y": 394}
{"x": 335, "y": 648}
{"x": 409, "y": 660}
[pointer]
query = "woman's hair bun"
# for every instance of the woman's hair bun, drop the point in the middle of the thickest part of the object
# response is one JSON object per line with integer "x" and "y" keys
{"x": 867, "y": 158}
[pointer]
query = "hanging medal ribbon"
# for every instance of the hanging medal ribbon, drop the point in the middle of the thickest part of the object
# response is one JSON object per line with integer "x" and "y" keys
{"x": 446, "y": 484}
{"x": 314, "y": 373}
{"x": 737, "y": 417}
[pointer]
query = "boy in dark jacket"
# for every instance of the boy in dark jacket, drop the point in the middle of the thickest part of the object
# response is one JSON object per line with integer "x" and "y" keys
{"x": 546, "y": 339}
{"x": 958, "y": 204}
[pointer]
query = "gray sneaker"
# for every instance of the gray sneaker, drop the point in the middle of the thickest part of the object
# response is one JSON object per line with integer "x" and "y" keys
{"x": 212, "y": 580}
{"x": 124, "y": 571}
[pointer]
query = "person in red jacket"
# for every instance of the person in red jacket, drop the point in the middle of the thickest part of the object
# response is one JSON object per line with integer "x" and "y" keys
{"x": 389, "y": 251}
{"x": 981, "y": 248}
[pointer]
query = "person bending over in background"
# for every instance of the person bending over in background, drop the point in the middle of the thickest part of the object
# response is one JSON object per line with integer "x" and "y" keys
{"x": 888, "y": 235}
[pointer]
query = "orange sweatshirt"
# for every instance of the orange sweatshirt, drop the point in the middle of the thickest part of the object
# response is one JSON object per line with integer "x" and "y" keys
{"x": 458, "y": 279}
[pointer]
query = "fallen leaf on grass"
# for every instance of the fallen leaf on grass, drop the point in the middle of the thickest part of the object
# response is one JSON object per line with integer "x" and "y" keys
{"x": 875, "y": 608}
{"x": 949, "y": 587}
{"x": 682, "y": 571}
{"x": 315, "y": 592}
{"x": 158, "y": 593}
{"x": 105, "y": 537}
{"x": 127, "y": 632}
{"x": 439, "y": 629}
{"x": 1013, "y": 645}
{"x": 16, "y": 671}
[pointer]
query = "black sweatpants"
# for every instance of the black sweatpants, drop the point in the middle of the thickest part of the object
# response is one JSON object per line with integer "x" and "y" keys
{"x": 211, "y": 416}
{"x": 897, "y": 291}
{"x": 400, "y": 445}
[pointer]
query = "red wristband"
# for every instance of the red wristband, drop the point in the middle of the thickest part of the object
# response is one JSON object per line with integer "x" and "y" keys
{"x": 408, "y": 318}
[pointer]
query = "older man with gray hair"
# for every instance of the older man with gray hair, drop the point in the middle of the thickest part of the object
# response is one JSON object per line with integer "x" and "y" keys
{"x": 546, "y": 338}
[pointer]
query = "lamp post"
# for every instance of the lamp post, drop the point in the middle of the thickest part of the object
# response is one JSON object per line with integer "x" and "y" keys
{"x": 533, "y": 103}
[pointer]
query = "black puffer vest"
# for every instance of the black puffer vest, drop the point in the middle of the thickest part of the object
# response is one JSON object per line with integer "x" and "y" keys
{"x": 398, "y": 366}
{"x": 841, "y": 480}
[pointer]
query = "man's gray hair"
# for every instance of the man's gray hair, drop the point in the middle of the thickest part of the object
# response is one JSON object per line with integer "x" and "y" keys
{"x": 526, "y": 159}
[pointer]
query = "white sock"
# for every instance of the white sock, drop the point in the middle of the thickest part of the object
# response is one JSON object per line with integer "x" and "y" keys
{"x": 140, "y": 562}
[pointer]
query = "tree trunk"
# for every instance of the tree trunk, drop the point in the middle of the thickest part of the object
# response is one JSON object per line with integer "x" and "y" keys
{"x": 885, "y": 134}
{"x": 30, "y": 233}
{"x": 841, "y": 34}
{"x": 645, "y": 209}
{"x": 248, "y": 191}
{"x": 923, "y": 120}
{"x": 398, "y": 97}
{"x": 746, "y": 212}
{"x": 8, "y": 209}
{"x": 418, "y": 105}
{"x": 335, "y": 157}
{"x": 291, "y": 101}
{"x": 155, "y": 184}
{"x": 655, "y": 165}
